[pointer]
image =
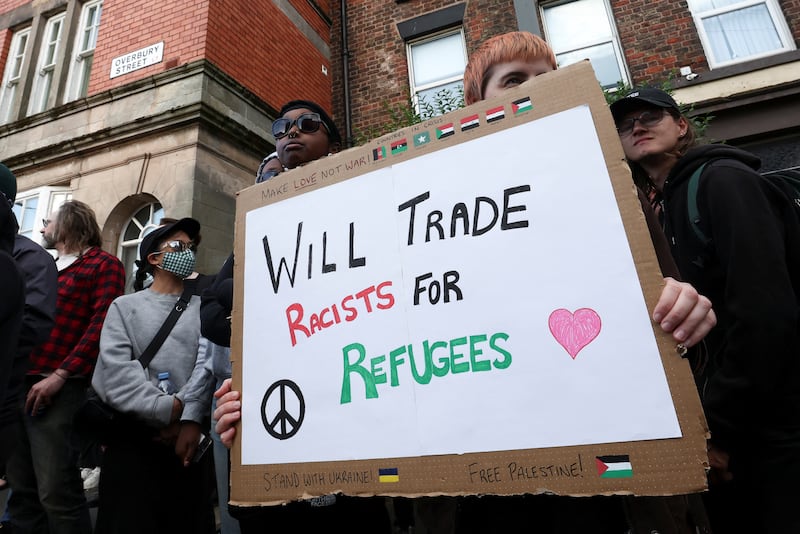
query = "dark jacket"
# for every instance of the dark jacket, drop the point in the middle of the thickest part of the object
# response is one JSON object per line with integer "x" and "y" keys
{"x": 41, "y": 289}
{"x": 751, "y": 391}
{"x": 215, "y": 310}
{"x": 12, "y": 294}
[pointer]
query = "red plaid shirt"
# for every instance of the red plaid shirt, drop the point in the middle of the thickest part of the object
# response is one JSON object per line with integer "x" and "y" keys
{"x": 85, "y": 291}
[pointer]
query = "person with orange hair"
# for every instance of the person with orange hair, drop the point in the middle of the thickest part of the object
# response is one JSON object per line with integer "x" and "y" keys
{"x": 501, "y": 63}
{"x": 505, "y": 61}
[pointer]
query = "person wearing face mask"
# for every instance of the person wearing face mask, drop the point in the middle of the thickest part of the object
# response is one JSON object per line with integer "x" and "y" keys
{"x": 149, "y": 481}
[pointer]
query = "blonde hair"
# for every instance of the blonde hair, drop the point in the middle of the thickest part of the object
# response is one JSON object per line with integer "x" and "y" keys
{"x": 512, "y": 46}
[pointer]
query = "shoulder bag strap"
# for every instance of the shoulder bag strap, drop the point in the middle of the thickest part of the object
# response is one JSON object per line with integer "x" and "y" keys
{"x": 166, "y": 328}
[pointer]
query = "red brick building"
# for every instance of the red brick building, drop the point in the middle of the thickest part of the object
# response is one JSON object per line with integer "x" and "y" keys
{"x": 738, "y": 62}
{"x": 144, "y": 108}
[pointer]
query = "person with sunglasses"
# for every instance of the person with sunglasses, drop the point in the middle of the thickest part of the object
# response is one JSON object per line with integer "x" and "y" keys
{"x": 148, "y": 480}
{"x": 304, "y": 132}
{"x": 748, "y": 265}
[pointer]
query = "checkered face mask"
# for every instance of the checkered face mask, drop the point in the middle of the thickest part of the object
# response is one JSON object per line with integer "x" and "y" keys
{"x": 181, "y": 264}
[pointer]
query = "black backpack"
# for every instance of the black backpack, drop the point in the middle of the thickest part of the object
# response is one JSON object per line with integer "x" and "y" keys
{"x": 784, "y": 183}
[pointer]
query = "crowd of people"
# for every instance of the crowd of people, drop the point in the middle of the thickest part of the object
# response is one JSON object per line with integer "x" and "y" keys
{"x": 159, "y": 359}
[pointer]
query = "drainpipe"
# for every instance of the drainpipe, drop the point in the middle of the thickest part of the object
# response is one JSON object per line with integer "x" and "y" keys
{"x": 348, "y": 126}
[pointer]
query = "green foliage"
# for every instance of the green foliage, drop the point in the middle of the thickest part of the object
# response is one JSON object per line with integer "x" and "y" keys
{"x": 699, "y": 122}
{"x": 402, "y": 114}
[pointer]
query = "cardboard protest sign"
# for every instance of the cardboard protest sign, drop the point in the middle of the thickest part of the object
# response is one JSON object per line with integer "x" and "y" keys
{"x": 460, "y": 307}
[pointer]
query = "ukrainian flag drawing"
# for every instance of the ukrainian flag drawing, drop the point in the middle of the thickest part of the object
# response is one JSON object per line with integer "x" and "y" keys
{"x": 388, "y": 475}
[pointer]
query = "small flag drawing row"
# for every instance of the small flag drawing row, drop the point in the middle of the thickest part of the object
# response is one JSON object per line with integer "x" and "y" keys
{"x": 446, "y": 130}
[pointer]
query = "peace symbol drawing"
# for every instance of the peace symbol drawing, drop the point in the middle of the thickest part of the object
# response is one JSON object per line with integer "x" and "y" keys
{"x": 284, "y": 424}
{"x": 574, "y": 331}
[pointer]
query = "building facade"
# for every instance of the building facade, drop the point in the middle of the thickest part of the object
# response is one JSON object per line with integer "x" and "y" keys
{"x": 144, "y": 109}
{"x": 734, "y": 59}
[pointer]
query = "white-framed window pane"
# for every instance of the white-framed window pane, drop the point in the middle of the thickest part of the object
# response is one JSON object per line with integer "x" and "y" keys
{"x": 26, "y": 210}
{"x": 436, "y": 72}
{"x": 32, "y": 206}
{"x": 83, "y": 52}
{"x": 583, "y": 29}
{"x": 144, "y": 221}
{"x": 742, "y": 33}
{"x": 440, "y": 99}
{"x": 563, "y": 20}
{"x": 438, "y": 59}
{"x": 737, "y": 30}
{"x": 603, "y": 59}
{"x": 12, "y": 72}
{"x": 91, "y": 24}
{"x": 43, "y": 78}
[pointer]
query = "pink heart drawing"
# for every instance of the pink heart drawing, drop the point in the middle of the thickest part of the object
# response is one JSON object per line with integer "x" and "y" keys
{"x": 573, "y": 331}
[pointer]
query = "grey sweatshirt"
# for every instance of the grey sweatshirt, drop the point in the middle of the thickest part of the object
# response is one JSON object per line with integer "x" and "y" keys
{"x": 131, "y": 323}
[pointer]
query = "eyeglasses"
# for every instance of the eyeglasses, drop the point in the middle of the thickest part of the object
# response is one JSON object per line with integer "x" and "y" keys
{"x": 306, "y": 123}
{"x": 646, "y": 120}
{"x": 45, "y": 222}
{"x": 177, "y": 246}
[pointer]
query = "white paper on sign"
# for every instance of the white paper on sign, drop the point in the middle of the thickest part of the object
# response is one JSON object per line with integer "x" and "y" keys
{"x": 478, "y": 298}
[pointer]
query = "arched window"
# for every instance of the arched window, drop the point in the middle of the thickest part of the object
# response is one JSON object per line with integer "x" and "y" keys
{"x": 142, "y": 223}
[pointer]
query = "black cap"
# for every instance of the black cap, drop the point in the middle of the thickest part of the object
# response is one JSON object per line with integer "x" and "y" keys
{"x": 151, "y": 240}
{"x": 644, "y": 95}
{"x": 8, "y": 183}
{"x": 333, "y": 131}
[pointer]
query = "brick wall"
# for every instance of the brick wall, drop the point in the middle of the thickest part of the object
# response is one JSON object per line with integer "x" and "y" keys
{"x": 128, "y": 25}
{"x": 378, "y": 64}
{"x": 8, "y": 5}
{"x": 250, "y": 40}
{"x": 658, "y": 38}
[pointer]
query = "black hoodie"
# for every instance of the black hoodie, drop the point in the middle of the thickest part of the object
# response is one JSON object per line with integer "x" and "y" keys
{"x": 751, "y": 392}
{"x": 12, "y": 300}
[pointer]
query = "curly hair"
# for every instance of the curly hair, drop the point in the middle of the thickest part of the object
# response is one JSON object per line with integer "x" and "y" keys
{"x": 512, "y": 46}
{"x": 76, "y": 226}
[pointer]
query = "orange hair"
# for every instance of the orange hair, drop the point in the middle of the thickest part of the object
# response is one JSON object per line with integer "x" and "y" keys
{"x": 512, "y": 46}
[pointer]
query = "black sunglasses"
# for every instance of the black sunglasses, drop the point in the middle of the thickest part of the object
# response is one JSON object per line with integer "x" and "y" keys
{"x": 306, "y": 123}
{"x": 646, "y": 119}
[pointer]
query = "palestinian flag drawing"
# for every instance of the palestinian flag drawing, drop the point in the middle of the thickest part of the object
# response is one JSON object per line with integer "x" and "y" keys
{"x": 444, "y": 130}
{"x": 379, "y": 153}
{"x": 521, "y": 106}
{"x": 398, "y": 147}
{"x": 614, "y": 466}
{"x": 495, "y": 114}
{"x": 388, "y": 475}
{"x": 468, "y": 123}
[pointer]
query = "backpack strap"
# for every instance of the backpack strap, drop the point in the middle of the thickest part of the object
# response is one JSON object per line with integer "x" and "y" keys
{"x": 166, "y": 328}
{"x": 691, "y": 204}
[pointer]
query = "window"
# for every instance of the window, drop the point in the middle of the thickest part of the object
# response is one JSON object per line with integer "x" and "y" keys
{"x": 596, "y": 40}
{"x": 13, "y": 73}
{"x": 83, "y": 51}
{"x": 32, "y": 206}
{"x": 436, "y": 64}
{"x": 142, "y": 223}
{"x": 48, "y": 54}
{"x": 737, "y": 30}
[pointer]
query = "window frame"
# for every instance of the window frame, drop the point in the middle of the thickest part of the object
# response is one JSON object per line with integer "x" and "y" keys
{"x": 414, "y": 88}
{"x": 79, "y": 74}
{"x": 44, "y": 75}
{"x": 129, "y": 248}
{"x": 613, "y": 39}
{"x": 12, "y": 82}
{"x": 53, "y": 197}
{"x": 776, "y": 15}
